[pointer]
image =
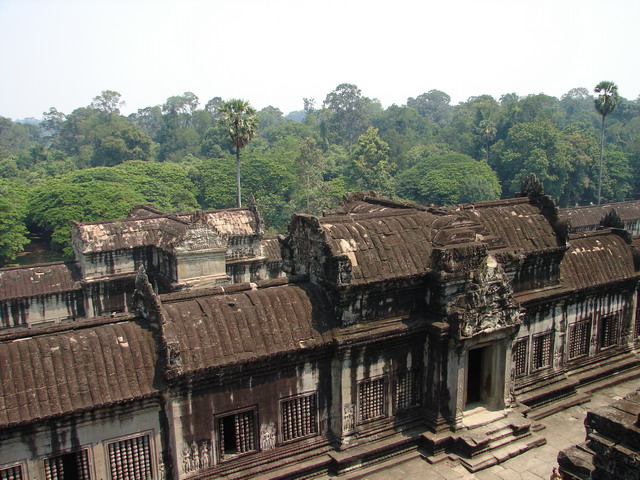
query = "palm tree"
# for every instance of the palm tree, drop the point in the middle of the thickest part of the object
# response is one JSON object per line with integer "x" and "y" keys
{"x": 605, "y": 103}
{"x": 488, "y": 132}
{"x": 241, "y": 121}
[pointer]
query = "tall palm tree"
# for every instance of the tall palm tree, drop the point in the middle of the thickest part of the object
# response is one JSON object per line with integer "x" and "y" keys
{"x": 605, "y": 103}
{"x": 241, "y": 121}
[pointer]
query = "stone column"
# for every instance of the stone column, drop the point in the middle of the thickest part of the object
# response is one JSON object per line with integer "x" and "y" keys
{"x": 434, "y": 385}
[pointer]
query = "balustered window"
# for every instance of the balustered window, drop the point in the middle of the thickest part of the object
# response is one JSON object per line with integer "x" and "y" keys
{"x": 236, "y": 434}
{"x": 407, "y": 391}
{"x": 541, "y": 351}
{"x": 11, "y": 473}
{"x": 371, "y": 399}
{"x": 68, "y": 465}
{"x": 579, "y": 338}
{"x": 298, "y": 417}
{"x": 609, "y": 330}
{"x": 130, "y": 459}
{"x": 519, "y": 357}
{"x": 636, "y": 330}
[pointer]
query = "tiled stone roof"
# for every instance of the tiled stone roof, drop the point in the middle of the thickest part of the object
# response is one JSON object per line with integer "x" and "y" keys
{"x": 390, "y": 243}
{"x": 271, "y": 249}
{"x": 35, "y": 280}
{"x": 596, "y": 259}
{"x": 589, "y": 217}
{"x": 517, "y": 222}
{"x": 51, "y": 374}
{"x": 215, "y": 330}
{"x": 163, "y": 231}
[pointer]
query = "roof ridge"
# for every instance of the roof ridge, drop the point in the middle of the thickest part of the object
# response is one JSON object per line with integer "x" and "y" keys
{"x": 64, "y": 326}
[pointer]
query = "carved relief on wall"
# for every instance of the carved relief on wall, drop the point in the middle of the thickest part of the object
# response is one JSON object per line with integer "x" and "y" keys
{"x": 348, "y": 417}
{"x": 201, "y": 237}
{"x": 268, "y": 436}
{"x": 196, "y": 456}
{"x": 486, "y": 303}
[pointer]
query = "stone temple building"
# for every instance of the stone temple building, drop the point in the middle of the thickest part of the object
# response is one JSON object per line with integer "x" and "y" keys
{"x": 393, "y": 328}
{"x": 178, "y": 251}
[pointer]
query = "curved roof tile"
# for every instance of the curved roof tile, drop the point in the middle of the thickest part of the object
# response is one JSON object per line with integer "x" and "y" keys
{"x": 596, "y": 259}
{"x": 58, "y": 373}
{"x": 42, "y": 279}
{"x": 519, "y": 224}
{"x": 214, "y": 330}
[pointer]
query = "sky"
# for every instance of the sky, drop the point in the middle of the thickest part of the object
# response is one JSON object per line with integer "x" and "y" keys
{"x": 63, "y": 53}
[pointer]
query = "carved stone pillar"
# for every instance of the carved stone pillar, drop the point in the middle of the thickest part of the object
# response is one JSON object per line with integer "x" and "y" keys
{"x": 435, "y": 392}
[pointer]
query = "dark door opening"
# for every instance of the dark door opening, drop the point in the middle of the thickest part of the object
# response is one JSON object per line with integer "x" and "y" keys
{"x": 474, "y": 376}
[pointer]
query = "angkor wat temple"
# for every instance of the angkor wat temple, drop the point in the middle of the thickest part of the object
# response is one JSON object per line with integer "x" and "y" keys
{"x": 189, "y": 346}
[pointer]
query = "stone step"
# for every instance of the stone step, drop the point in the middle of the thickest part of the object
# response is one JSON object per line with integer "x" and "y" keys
{"x": 372, "y": 452}
{"x": 478, "y": 441}
{"x": 559, "y": 388}
{"x": 502, "y": 453}
{"x": 613, "y": 379}
{"x": 311, "y": 457}
{"x": 370, "y": 469}
{"x": 299, "y": 470}
{"x": 547, "y": 409}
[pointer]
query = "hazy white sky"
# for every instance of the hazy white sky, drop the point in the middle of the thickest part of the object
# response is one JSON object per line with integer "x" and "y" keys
{"x": 62, "y": 53}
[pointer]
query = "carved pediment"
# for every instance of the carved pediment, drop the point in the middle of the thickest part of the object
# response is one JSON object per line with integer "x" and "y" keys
{"x": 200, "y": 236}
{"x": 486, "y": 303}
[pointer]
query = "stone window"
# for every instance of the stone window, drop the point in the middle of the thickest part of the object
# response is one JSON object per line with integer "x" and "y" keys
{"x": 371, "y": 399}
{"x": 236, "y": 434}
{"x": 609, "y": 330}
{"x": 541, "y": 351}
{"x": 11, "y": 473}
{"x": 636, "y": 330}
{"x": 407, "y": 392}
{"x": 579, "y": 338}
{"x": 519, "y": 355}
{"x": 68, "y": 465}
{"x": 298, "y": 417}
{"x": 130, "y": 459}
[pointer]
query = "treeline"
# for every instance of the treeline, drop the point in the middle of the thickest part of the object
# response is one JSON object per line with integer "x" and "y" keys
{"x": 94, "y": 163}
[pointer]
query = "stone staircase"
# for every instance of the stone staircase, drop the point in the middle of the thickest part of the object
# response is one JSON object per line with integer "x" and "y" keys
{"x": 484, "y": 445}
{"x": 577, "y": 386}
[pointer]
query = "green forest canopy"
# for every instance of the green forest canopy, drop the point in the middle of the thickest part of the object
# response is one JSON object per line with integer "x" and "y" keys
{"x": 95, "y": 163}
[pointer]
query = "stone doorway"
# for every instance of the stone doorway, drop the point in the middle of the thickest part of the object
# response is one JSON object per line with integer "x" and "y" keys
{"x": 482, "y": 386}
{"x": 475, "y": 369}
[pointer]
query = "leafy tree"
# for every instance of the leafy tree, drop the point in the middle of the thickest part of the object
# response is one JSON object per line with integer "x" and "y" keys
{"x": 58, "y": 202}
{"x": 346, "y": 115}
{"x": 106, "y": 192}
{"x": 108, "y": 102}
{"x": 13, "y": 233}
{"x": 241, "y": 122}
{"x": 536, "y": 147}
{"x": 403, "y": 128}
{"x": 372, "y": 168}
{"x": 606, "y": 102}
{"x": 16, "y": 138}
{"x": 122, "y": 144}
{"x": 149, "y": 119}
{"x": 477, "y": 189}
{"x": 435, "y": 105}
{"x": 181, "y": 106}
{"x": 270, "y": 118}
{"x": 577, "y": 105}
{"x": 52, "y": 121}
{"x": 582, "y": 148}
{"x": 445, "y": 179}
{"x": 310, "y": 163}
{"x": 212, "y": 106}
{"x": 95, "y": 138}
